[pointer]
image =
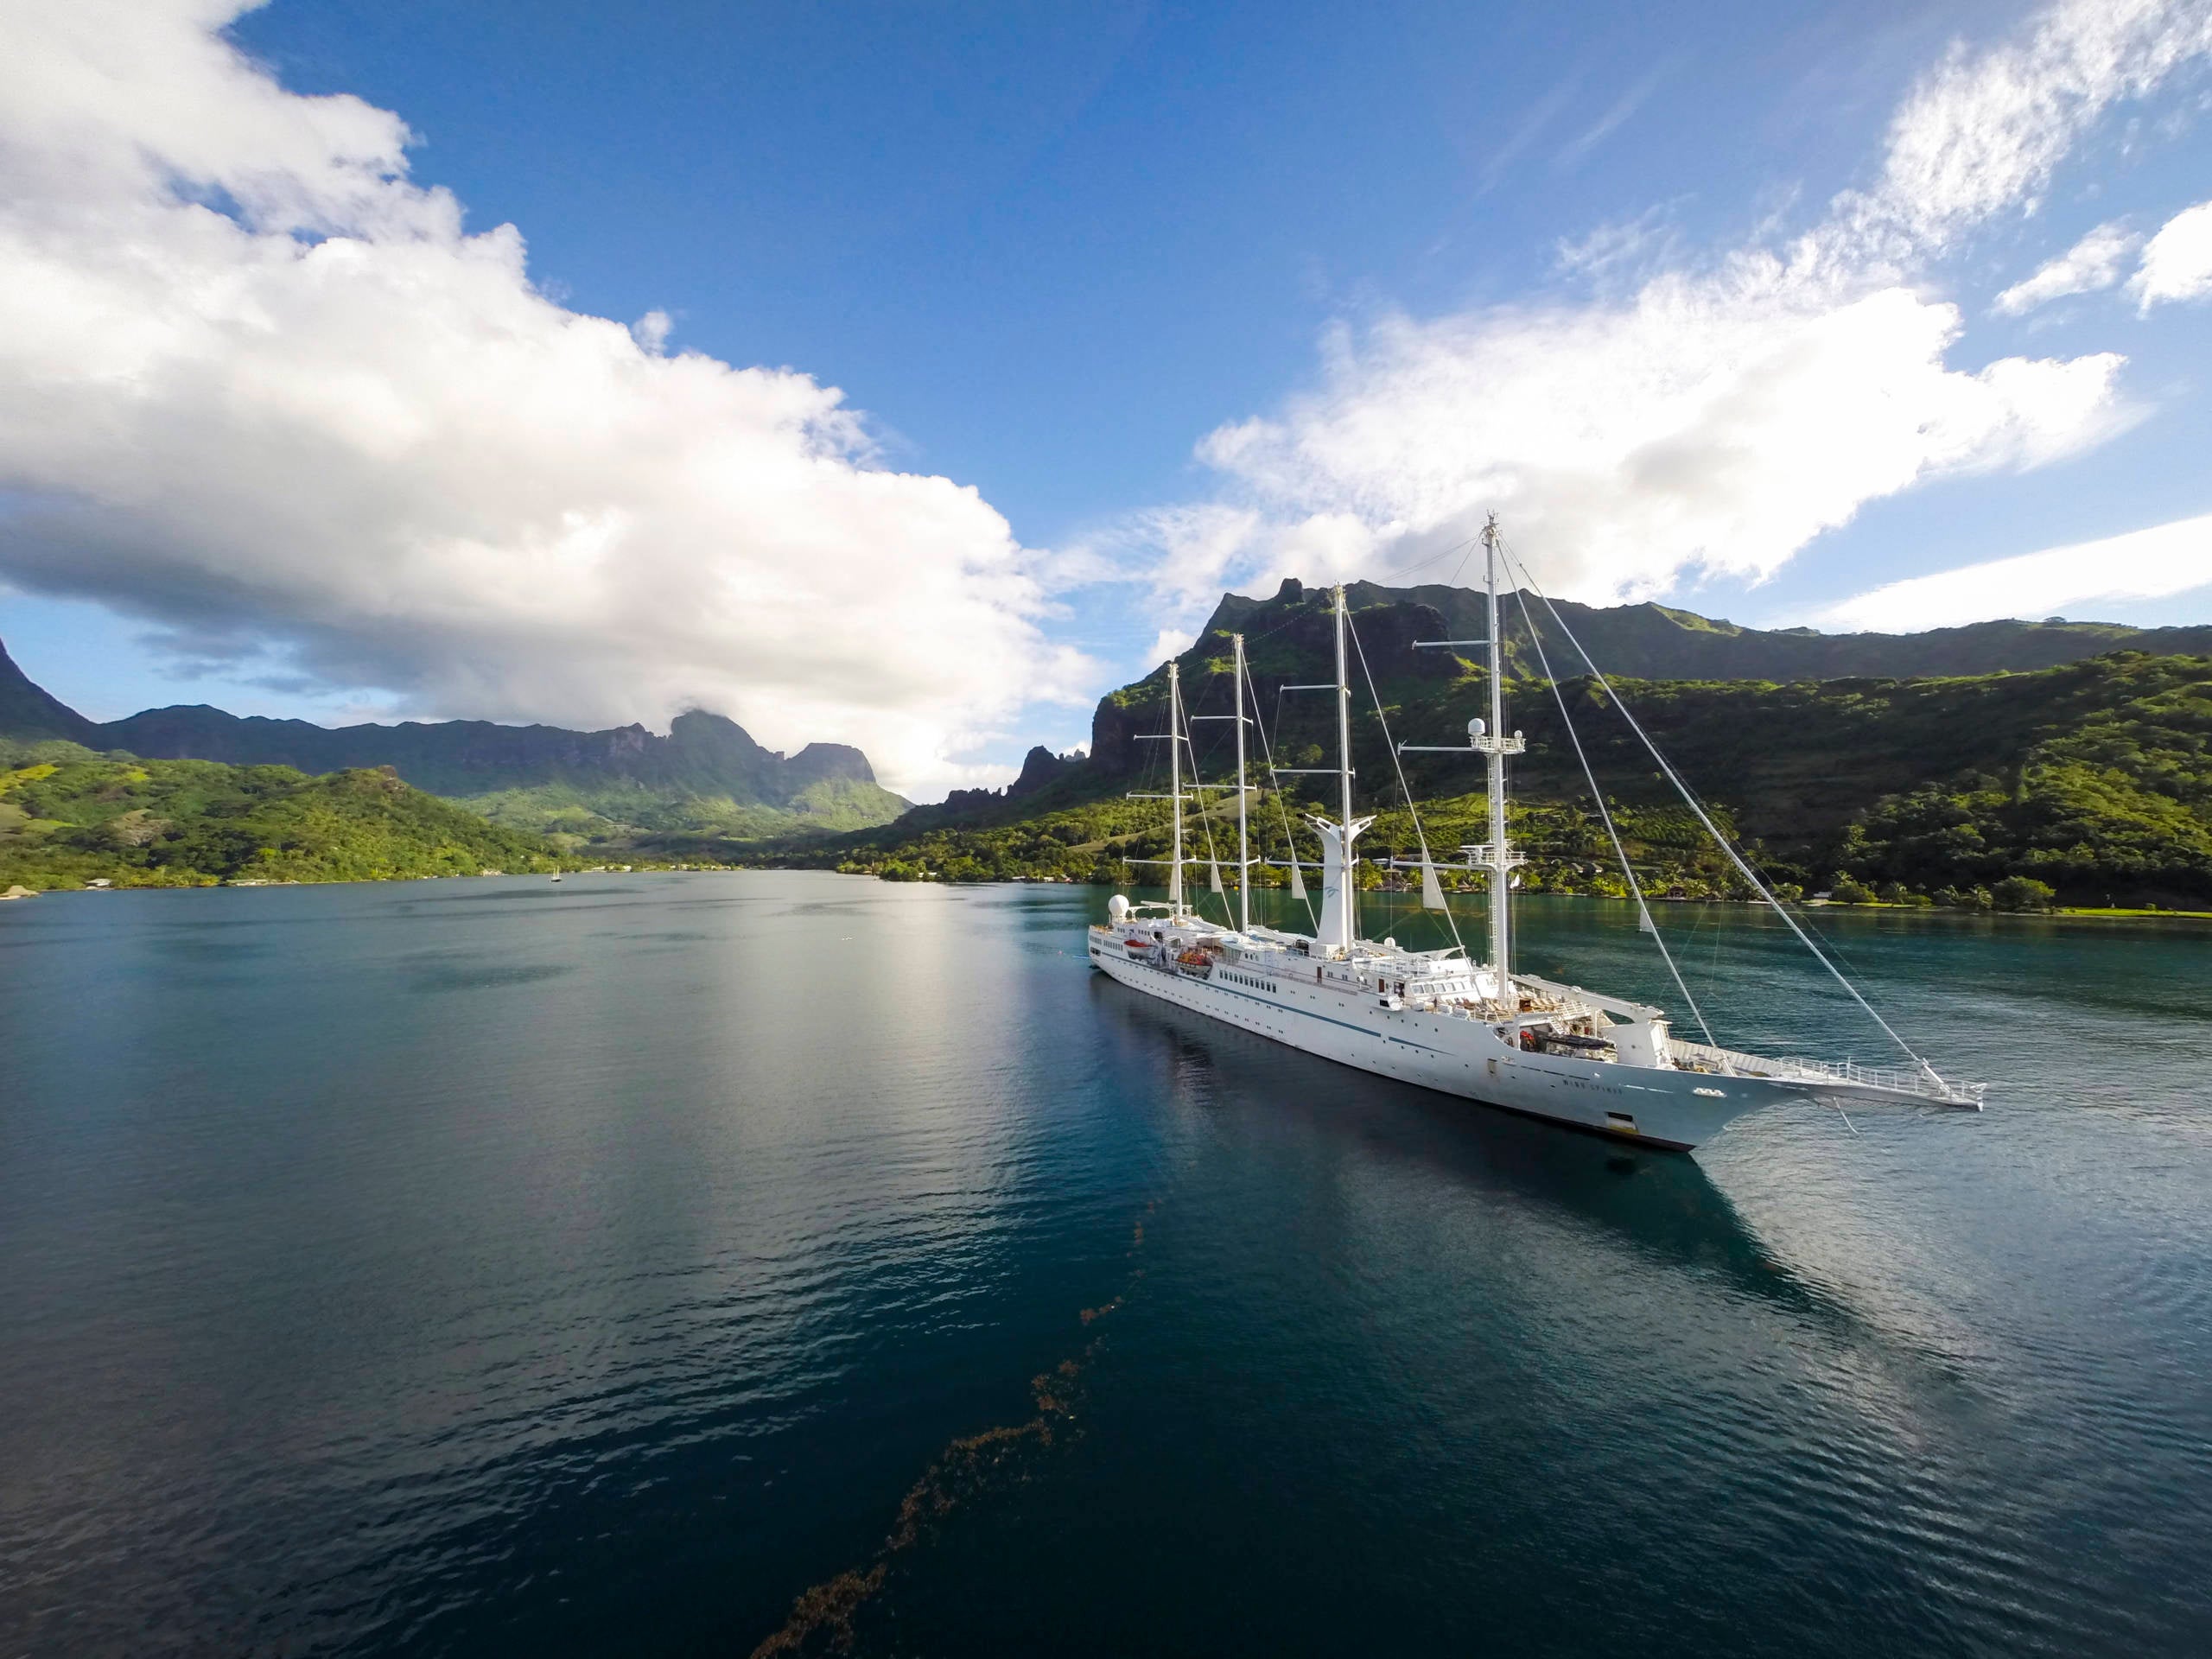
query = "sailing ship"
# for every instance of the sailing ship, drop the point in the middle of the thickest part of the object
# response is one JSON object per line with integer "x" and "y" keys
{"x": 1440, "y": 1017}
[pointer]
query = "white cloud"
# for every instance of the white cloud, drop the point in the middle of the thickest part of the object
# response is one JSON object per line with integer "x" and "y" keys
{"x": 2153, "y": 563}
{"x": 1622, "y": 107}
{"x": 2090, "y": 265}
{"x": 2177, "y": 261}
{"x": 1638, "y": 245}
{"x": 1530, "y": 127}
{"x": 1170, "y": 642}
{"x": 1176, "y": 549}
{"x": 260, "y": 386}
{"x": 1719, "y": 423}
{"x": 1986, "y": 131}
{"x": 1724, "y": 415}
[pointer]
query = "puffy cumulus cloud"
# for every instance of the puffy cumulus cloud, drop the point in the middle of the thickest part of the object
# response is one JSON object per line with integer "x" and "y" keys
{"x": 2090, "y": 265}
{"x": 2153, "y": 563}
{"x": 2177, "y": 261}
{"x": 1723, "y": 415}
{"x": 1723, "y": 424}
{"x": 262, "y": 388}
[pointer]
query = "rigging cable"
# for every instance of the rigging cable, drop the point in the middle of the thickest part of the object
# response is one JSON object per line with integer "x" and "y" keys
{"x": 1205, "y": 823}
{"x": 1712, "y": 830}
{"x": 1428, "y": 869}
{"x": 1642, "y": 909}
{"x": 1267, "y": 752}
{"x": 1434, "y": 558}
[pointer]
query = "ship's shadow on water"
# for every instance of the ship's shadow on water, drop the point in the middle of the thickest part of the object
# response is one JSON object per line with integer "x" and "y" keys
{"x": 1661, "y": 1206}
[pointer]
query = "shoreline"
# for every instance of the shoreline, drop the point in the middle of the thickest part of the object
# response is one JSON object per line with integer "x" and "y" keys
{"x": 2069, "y": 913}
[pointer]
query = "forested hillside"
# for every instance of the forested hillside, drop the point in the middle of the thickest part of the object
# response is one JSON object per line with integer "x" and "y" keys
{"x": 1663, "y": 642}
{"x": 68, "y": 815}
{"x": 2094, "y": 776}
{"x": 706, "y": 777}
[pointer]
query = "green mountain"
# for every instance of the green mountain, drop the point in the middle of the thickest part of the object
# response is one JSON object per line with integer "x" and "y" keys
{"x": 2094, "y": 776}
{"x": 68, "y": 815}
{"x": 1657, "y": 642}
{"x": 2071, "y": 752}
{"x": 707, "y": 777}
{"x": 1288, "y": 638}
{"x": 27, "y": 711}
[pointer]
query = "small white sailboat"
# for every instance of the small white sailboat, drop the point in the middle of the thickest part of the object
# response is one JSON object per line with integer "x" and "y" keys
{"x": 1438, "y": 1018}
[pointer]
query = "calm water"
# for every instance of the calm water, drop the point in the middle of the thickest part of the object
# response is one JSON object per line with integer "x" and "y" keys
{"x": 495, "y": 1268}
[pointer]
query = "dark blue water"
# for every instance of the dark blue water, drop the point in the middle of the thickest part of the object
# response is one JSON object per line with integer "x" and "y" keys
{"x": 495, "y": 1267}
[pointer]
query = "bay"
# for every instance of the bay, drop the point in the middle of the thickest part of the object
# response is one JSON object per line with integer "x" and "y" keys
{"x": 495, "y": 1266}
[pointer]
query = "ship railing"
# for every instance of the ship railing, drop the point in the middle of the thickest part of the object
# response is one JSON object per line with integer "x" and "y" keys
{"x": 1481, "y": 1013}
{"x": 1922, "y": 1083}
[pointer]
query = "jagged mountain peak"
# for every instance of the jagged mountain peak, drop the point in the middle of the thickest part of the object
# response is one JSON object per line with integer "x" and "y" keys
{"x": 1648, "y": 640}
{"x": 704, "y": 756}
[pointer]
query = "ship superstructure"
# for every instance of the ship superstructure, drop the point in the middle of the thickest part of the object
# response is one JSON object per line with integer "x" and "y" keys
{"x": 1440, "y": 1017}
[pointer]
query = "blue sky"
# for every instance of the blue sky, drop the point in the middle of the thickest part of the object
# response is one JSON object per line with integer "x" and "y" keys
{"x": 1186, "y": 296}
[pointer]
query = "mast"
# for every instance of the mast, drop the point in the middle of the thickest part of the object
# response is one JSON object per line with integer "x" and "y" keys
{"x": 1343, "y": 711}
{"x": 1501, "y": 896}
{"x": 1175, "y": 778}
{"x": 1243, "y": 851}
{"x": 1351, "y": 929}
{"x": 1339, "y": 929}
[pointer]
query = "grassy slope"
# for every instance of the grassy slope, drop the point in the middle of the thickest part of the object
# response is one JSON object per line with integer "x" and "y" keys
{"x": 68, "y": 815}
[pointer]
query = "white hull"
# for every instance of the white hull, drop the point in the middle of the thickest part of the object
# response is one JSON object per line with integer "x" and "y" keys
{"x": 1449, "y": 1052}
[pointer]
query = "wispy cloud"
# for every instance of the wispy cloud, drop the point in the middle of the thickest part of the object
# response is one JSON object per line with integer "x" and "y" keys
{"x": 1540, "y": 115}
{"x": 2152, "y": 563}
{"x": 1630, "y": 243}
{"x": 1622, "y": 107}
{"x": 2089, "y": 266}
{"x": 1986, "y": 129}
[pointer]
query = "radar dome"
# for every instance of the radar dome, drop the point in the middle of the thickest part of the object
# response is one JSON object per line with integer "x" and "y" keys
{"x": 1117, "y": 909}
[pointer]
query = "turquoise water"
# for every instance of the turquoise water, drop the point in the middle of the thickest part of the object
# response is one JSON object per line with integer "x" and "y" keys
{"x": 495, "y": 1268}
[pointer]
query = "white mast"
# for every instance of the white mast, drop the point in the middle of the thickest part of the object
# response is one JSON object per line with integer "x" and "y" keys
{"x": 1501, "y": 897}
{"x": 1349, "y": 928}
{"x": 1343, "y": 729}
{"x": 1175, "y": 783}
{"x": 1243, "y": 851}
{"x": 1339, "y": 925}
{"x": 1339, "y": 893}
